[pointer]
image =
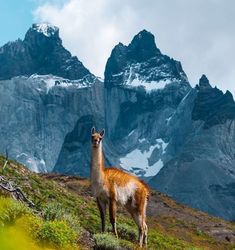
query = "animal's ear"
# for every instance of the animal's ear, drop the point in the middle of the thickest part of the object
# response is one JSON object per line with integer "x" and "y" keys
{"x": 102, "y": 133}
{"x": 93, "y": 130}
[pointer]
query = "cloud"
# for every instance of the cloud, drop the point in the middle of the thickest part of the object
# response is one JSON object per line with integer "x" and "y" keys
{"x": 201, "y": 34}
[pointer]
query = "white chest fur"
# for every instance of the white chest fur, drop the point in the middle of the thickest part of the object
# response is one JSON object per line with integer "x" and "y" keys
{"x": 123, "y": 194}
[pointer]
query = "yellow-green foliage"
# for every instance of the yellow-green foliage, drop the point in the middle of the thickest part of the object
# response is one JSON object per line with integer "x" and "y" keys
{"x": 10, "y": 210}
{"x": 58, "y": 233}
{"x": 21, "y": 229}
{"x": 14, "y": 238}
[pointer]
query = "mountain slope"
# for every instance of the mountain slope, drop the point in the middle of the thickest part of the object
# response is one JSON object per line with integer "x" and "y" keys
{"x": 202, "y": 174}
{"x": 37, "y": 112}
{"x": 171, "y": 226}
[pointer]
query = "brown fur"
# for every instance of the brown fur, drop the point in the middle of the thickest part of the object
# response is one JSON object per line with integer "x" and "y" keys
{"x": 105, "y": 183}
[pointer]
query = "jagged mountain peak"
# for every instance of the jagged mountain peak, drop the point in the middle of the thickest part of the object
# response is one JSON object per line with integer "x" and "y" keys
{"x": 43, "y": 34}
{"x": 141, "y": 63}
{"x": 41, "y": 52}
{"x": 142, "y": 36}
{"x": 143, "y": 46}
{"x": 204, "y": 82}
{"x": 211, "y": 105}
{"x": 229, "y": 96}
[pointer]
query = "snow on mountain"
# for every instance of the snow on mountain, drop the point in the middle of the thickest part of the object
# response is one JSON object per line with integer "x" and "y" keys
{"x": 133, "y": 79}
{"x": 138, "y": 161}
{"x": 50, "y": 81}
{"x": 46, "y": 29}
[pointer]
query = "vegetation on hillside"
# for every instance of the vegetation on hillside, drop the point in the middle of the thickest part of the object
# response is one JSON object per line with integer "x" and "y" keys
{"x": 65, "y": 216}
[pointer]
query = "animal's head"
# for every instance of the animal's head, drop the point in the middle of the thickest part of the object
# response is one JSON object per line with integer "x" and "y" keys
{"x": 96, "y": 137}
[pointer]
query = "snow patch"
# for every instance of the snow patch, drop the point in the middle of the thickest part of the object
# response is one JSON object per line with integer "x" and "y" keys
{"x": 168, "y": 119}
{"x": 134, "y": 80}
{"x": 163, "y": 145}
{"x": 131, "y": 133}
{"x": 137, "y": 161}
{"x": 49, "y": 81}
{"x": 154, "y": 169}
{"x": 45, "y": 28}
{"x": 150, "y": 86}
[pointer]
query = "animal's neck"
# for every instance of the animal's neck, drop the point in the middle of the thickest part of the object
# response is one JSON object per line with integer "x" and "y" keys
{"x": 97, "y": 165}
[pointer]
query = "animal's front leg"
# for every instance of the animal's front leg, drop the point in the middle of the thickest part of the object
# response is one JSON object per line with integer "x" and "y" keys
{"x": 102, "y": 208}
{"x": 112, "y": 215}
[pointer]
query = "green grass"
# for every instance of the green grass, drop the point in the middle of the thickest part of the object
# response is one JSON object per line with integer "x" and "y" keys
{"x": 107, "y": 241}
{"x": 164, "y": 242}
{"x": 61, "y": 216}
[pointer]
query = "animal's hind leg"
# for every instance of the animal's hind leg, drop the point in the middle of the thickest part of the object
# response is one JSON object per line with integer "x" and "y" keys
{"x": 102, "y": 209}
{"x": 112, "y": 215}
{"x": 145, "y": 234}
{"x": 138, "y": 218}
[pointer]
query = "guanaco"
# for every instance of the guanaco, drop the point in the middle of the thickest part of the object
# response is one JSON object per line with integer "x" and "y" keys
{"x": 112, "y": 186}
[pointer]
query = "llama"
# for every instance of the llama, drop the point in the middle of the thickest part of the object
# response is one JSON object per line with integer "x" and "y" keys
{"x": 112, "y": 186}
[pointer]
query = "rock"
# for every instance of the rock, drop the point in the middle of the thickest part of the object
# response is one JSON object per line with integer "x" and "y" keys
{"x": 40, "y": 52}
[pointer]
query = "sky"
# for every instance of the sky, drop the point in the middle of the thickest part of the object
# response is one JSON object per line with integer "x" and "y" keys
{"x": 199, "y": 33}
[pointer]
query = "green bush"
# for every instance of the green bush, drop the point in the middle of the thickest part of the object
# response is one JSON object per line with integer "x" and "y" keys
{"x": 11, "y": 210}
{"x": 107, "y": 241}
{"x": 127, "y": 232}
{"x": 30, "y": 224}
{"x": 58, "y": 233}
{"x": 52, "y": 211}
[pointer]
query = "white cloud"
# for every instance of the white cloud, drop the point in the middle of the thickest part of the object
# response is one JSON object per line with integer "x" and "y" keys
{"x": 201, "y": 34}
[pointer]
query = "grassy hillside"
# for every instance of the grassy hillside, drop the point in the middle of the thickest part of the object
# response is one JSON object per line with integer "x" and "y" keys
{"x": 66, "y": 217}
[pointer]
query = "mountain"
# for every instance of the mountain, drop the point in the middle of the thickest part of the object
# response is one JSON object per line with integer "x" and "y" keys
{"x": 178, "y": 138}
{"x": 37, "y": 111}
{"x": 202, "y": 175}
{"x": 140, "y": 93}
{"x": 65, "y": 216}
{"x": 141, "y": 63}
{"x": 40, "y": 52}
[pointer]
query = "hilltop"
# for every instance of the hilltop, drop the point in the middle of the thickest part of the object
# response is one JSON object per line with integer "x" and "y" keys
{"x": 65, "y": 216}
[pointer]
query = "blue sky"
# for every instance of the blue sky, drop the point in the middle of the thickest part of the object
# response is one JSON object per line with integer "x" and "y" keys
{"x": 15, "y": 18}
{"x": 199, "y": 33}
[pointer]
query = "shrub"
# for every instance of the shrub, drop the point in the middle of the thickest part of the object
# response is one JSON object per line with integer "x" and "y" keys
{"x": 107, "y": 241}
{"x": 127, "y": 232}
{"x": 53, "y": 211}
{"x": 58, "y": 233}
{"x": 30, "y": 224}
{"x": 11, "y": 210}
